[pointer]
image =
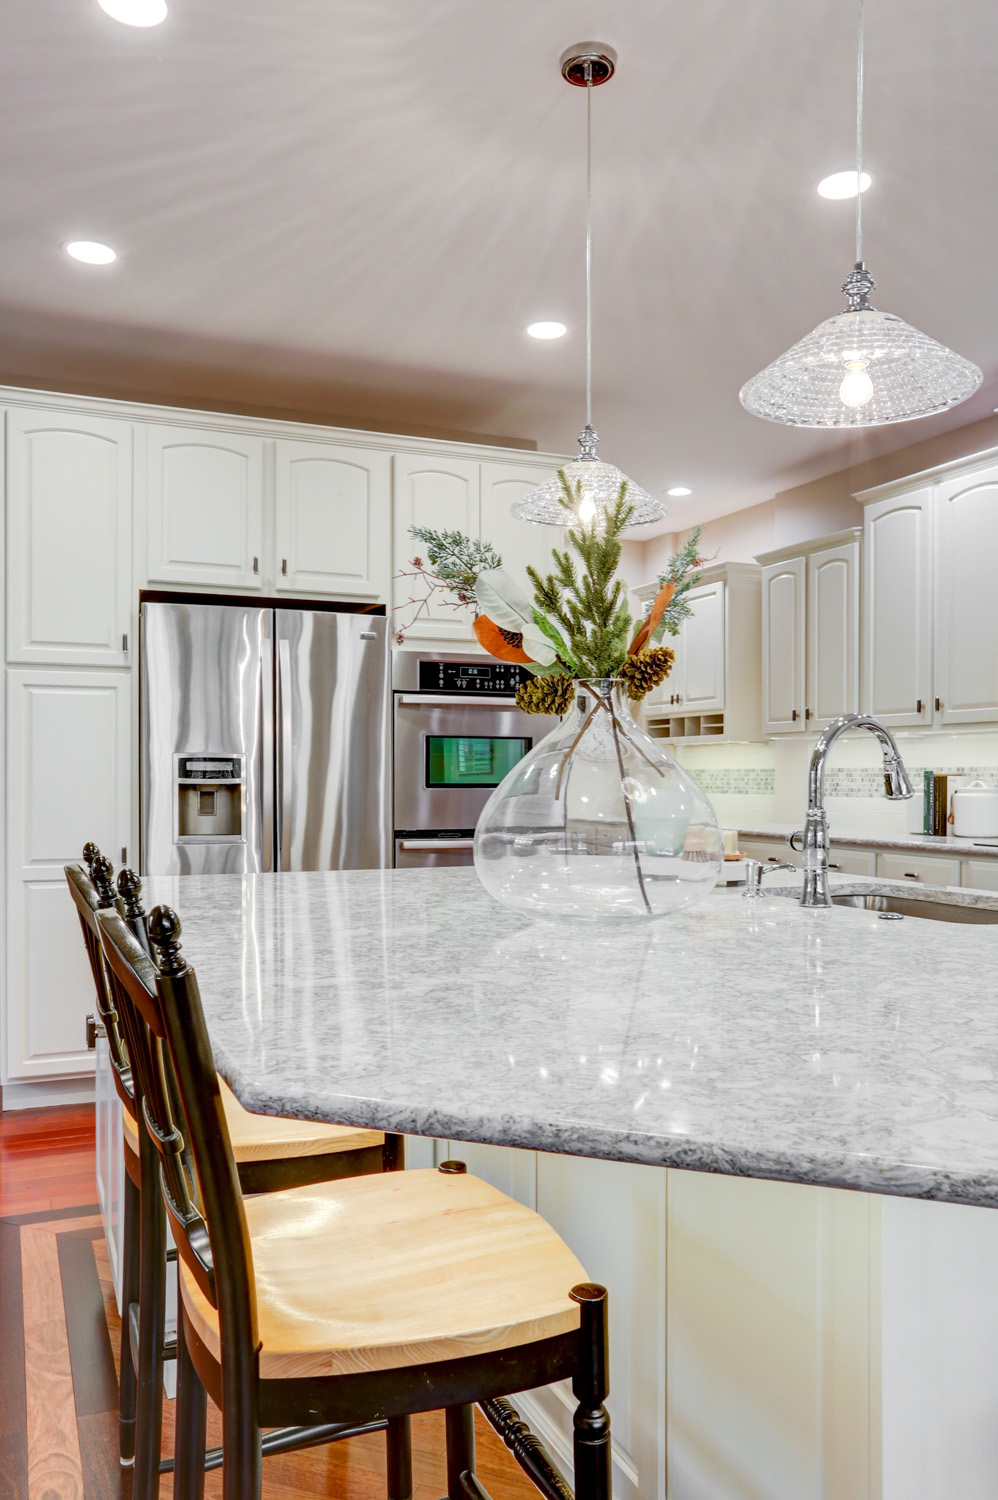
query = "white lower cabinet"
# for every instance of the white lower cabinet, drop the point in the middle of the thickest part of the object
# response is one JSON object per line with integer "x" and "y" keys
{"x": 928, "y": 869}
{"x": 848, "y": 861}
{"x": 68, "y": 781}
{"x": 980, "y": 873}
{"x": 771, "y": 1307}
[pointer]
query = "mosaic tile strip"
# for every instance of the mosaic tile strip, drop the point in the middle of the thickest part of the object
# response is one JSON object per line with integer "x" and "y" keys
{"x": 732, "y": 782}
{"x": 849, "y": 782}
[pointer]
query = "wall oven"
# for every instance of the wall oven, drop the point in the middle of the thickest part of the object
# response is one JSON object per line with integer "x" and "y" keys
{"x": 457, "y": 732}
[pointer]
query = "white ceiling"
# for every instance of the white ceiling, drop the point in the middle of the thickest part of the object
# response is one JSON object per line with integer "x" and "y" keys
{"x": 359, "y": 206}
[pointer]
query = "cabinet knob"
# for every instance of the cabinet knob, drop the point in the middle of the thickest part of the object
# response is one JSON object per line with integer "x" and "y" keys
{"x": 795, "y": 716}
{"x": 807, "y": 714}
{"x": 939, "y": 704}
{"x": 918, "y": 706}
{"x": 910, "y": 875}
{"x": 284, "y": 565}
{"x": 256, "y": 565}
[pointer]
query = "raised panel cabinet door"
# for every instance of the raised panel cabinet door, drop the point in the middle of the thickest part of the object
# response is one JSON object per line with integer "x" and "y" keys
{"x": 612, "y": 1215}
{"x": 445, "y": 495}
{"x": 205, "y": 506}
{"x": 68, "y": 781}
{"x": 966, "y": 617}
{"x": 897, "y": 609}
{"x": 519, "y": 542}
{"x": 783, "y": 633}
{"x": 981, "y": 874}
{"x": 333, "y": 520}
{"x": 702, "y": 648}
{"x": 771, "y": 1294}
{"x": 69, "y": 528}
{"x": 832, "y": 633}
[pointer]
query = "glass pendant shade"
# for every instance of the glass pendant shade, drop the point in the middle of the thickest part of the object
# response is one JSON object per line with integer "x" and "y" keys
{"x": 860, "y": 369}
{"x": 600, "y": 483}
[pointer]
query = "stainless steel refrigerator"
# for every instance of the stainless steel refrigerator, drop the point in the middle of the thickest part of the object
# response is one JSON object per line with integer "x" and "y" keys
{"x": 264, "y": 741}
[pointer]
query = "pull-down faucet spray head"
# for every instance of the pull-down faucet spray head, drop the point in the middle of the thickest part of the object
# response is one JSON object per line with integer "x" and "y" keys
{"x": 896, "y": 781}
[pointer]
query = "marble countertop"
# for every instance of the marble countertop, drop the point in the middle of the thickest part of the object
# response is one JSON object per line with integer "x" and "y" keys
{"x": 912, "y": 843}
{"x": 749, "y": 1037}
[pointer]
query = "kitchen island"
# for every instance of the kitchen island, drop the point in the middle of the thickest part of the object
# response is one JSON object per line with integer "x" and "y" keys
{"x": 748, "y": 1038}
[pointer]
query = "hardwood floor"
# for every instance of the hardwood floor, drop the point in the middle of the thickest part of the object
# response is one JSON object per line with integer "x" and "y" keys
{"x": 59, "y": 1336}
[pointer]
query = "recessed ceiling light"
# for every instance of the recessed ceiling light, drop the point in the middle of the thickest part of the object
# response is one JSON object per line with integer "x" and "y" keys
{"x": 843, "y": 184}
{"x": 677, "y": 490}
{"x": 135, "y": 12}
{"x": 546, "y": 330}
{"x": 91, "y": 252}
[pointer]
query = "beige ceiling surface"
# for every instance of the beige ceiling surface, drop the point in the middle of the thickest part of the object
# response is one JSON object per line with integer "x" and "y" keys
{"x": 356, "y": 207}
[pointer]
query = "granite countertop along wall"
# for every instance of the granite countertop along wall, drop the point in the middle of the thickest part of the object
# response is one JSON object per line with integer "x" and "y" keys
{"x": 913, "y": 843}
{"x": 748, "y": 1037}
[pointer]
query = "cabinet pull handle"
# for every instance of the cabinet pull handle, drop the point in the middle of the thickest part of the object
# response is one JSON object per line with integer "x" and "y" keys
{"x": 939, "y": 704}
{"x": 284, "y": 565}
{"x": 807, "y": 714}
{"x": 910, "y": 875}
{"x": 795, "y": 716}
{"x": 124, "y": 854}
{"x": 256, "y": 565}
{"x": 124, "y": 644}
{"x": 918, "y": 706}
{"x": 833, "y": 867}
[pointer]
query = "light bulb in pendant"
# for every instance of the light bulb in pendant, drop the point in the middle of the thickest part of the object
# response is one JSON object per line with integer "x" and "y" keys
{"x": 857, "y": 387}
{"x": 587, "y": 509}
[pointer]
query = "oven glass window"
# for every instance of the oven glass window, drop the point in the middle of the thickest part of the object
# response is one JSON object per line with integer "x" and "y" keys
{"x": 471, "y": 760}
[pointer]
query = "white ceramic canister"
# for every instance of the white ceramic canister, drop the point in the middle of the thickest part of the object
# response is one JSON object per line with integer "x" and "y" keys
{"x": 975, "y": 811}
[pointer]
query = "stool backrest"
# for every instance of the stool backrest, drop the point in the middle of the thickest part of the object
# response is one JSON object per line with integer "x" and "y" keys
{"x": 89, "y": 900}
{"x": 183, "y": 1114}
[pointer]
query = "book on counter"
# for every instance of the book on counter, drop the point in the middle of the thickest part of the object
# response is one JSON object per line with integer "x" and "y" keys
{"x": 936, "y": 804}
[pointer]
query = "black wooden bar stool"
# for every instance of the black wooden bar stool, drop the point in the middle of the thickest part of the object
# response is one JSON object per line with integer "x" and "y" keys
{"x": 271, "y": 1153}
{"x": 349, "y": 1303}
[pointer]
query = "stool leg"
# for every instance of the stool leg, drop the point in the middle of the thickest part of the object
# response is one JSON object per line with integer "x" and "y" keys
{"x": 592, "y": 1422}
{"x": 192, "y": 1411}
{"x": 399, "y": 1459}
{"x": 129, "y": 1293}
{"x": 152, "y": 1317}
{"x": 460, "y": 1426}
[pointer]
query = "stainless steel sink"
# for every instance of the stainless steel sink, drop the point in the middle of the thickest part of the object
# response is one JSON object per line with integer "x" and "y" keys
{"x": 912, "y": 906}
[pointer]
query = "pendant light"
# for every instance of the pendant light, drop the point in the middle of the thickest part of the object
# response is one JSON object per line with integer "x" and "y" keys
{"x": 861, "y": 368}
{"x": 587, "y": 65}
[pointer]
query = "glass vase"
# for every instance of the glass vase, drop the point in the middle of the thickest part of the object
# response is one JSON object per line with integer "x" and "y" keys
{"x": 597, "y": 822}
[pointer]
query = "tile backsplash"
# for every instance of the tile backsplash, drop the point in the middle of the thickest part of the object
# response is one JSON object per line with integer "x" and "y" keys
{"x": 737, "y": 782}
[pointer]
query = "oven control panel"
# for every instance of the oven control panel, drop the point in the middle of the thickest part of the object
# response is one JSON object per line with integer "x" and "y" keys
{"x": 499, "y": 677}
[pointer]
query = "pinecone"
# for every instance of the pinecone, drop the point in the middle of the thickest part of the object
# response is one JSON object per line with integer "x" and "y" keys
{"x": 646, "y": 670}
{"x": 545, "y": 695}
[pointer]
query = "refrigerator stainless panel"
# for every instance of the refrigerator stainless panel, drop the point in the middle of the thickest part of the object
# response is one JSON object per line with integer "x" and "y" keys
{"x": 333, "y": 781}
{"x": 204, "y": 688}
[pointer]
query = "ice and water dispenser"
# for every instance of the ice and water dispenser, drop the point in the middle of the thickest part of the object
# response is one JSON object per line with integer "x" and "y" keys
{"x": 209, "y": 797}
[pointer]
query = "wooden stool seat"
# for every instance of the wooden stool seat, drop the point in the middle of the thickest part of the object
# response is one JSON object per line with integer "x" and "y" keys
{"x": 398, "y": 1270}
{"x": 266, "y": 1138}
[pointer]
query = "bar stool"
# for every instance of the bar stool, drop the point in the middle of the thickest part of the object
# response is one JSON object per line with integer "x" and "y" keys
{"x": 353, "y": 1302}
{"x": 271, "y": 1154}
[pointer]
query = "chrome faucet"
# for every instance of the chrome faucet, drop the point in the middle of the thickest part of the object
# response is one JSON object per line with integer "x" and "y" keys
{"x": 814, "y": 836}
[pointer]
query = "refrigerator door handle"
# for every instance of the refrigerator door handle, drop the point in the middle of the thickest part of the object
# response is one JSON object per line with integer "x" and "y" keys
{"x": 267, "y": 742}
{"x": 284, "y": 753}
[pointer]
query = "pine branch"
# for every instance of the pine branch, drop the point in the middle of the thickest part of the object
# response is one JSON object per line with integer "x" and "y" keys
{"x": 683, "y": 573}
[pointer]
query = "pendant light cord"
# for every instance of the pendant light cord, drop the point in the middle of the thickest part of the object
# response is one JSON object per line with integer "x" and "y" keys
{"x": 859, "y": 139}
{"x": 589, "y": 244}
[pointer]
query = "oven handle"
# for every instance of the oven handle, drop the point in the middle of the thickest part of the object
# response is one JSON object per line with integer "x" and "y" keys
{"x": 436, "y": 843}
{"x": 447, "y": 700}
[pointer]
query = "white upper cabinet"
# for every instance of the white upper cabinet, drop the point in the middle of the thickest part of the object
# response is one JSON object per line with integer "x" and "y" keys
{"x": 519, "y": 542}
{"x": 332, "y": 520}
{"x": 783, "y": 649}
{"x": 445, "y": 495}
{"x": 68, "y": 781}
{"x": 810, "y": 633}
{"x": 69, "y": 517}
{"x": 966, "y": 599}
{"x": 700, "y": 652}
{"x": 832, "y": 633}
{"x": 897, "y": 608}
{"x": 205, "y": 508}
